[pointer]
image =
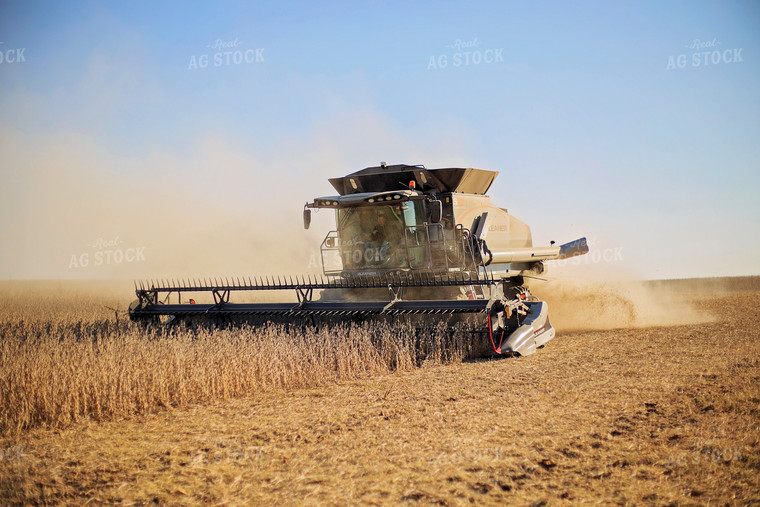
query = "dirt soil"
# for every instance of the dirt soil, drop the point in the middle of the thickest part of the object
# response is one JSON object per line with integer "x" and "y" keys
{"x": 654, "y": 415}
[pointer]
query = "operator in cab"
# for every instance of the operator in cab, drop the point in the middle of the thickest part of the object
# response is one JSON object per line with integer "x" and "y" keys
{"x": 385, "y": 235}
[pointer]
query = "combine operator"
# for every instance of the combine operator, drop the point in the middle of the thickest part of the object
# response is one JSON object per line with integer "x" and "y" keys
{"x": 385, "y": 236}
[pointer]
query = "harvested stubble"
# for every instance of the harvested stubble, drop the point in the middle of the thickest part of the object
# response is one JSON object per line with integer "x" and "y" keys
{"x": 56, "y": 370}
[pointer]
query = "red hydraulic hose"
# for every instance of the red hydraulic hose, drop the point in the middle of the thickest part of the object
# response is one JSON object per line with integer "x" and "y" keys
{"x": 490, "y": 335}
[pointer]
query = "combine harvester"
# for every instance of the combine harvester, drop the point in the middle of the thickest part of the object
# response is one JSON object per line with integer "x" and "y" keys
{"x": 409, "y": 242}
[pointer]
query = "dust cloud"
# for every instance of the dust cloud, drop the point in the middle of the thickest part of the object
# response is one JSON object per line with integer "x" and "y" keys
{"x": 74, "y": 208}
{"x": 584, "y": 301}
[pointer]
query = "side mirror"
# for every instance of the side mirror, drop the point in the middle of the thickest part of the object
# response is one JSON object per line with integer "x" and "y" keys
{"x": 306, "y": 218}
{"x": 436, "y": 211}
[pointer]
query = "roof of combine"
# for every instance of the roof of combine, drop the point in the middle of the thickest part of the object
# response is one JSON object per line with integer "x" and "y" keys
{"x": 397, "y": 177}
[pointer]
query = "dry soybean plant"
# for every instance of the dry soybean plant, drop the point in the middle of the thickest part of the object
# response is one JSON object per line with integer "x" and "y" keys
{"x": 58, "y": 367}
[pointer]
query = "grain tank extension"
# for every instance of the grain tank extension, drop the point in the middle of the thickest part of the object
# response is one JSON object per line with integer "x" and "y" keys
{"x": 409, "y": 242}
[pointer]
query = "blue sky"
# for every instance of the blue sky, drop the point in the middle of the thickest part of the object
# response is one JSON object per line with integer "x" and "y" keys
{"x": 111, "y": 128}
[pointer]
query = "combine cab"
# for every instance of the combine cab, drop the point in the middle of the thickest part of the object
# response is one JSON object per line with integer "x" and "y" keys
{"x": 408, "y": 241}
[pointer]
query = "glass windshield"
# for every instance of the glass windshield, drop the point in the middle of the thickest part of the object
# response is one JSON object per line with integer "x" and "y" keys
{"x": 373, "y": 236}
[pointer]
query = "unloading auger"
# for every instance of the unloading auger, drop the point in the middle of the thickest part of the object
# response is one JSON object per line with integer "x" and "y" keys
{"x": 400, "y": 250}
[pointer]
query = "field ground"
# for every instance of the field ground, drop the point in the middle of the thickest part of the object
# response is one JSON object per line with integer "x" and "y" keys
{"x": 631, "y": 415}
